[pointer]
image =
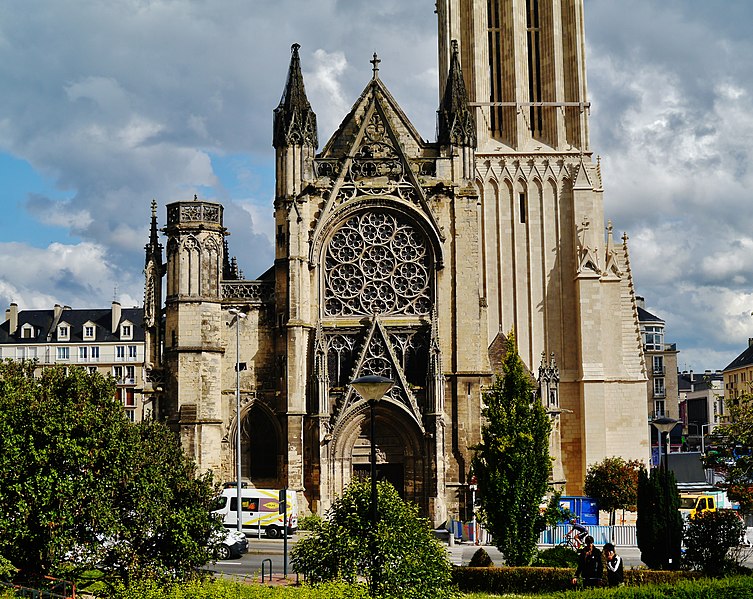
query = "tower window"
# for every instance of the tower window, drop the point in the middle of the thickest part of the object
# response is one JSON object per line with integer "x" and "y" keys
{"x": 522, "y": 202}
{"x": 534, "y": 65}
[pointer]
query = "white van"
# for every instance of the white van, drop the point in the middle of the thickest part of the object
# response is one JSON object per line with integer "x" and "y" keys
{"x": 260, "y": 509}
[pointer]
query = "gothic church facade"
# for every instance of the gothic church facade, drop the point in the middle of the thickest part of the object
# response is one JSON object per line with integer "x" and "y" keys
{"x": 411, "y": 260}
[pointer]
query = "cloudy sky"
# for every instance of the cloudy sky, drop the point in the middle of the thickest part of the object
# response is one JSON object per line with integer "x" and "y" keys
{"x": 106, "y": 105}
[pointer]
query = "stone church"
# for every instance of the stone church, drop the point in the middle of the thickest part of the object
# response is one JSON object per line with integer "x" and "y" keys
{"x": 412, "y": 260}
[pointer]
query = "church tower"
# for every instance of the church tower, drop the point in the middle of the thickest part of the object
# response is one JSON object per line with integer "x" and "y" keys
{"x": 193, "y": 343}
{"x": 550, "y": 272}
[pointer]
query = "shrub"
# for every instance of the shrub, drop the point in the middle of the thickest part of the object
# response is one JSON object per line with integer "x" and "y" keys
{"x": 529, "y": 580}
{"x": 481, "y": 559}
{"x": 708, "y": 539}
{"x": 403, "y": 558}
{"x": 556, "y": 557}
{"x": 309, "y": 522}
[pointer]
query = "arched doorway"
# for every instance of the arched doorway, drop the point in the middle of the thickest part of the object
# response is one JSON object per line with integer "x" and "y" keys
{"x": 260, "y": 446}
{"x": 400, "y": 456}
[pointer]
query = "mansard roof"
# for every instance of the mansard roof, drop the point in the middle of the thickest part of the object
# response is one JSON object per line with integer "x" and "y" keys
{"x": 646, "y": 316}
{"x": 744, "y": 359}
{"x": 43, "y": 320}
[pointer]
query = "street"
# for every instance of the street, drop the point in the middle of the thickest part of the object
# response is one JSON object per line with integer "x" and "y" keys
{"x": 269, "y": 552}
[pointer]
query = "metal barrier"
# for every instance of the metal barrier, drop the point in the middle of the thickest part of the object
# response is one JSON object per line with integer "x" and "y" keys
{"x": 59, "y": 590}
{"x": 621, "y": 536}
{"x": 264, "y": 561}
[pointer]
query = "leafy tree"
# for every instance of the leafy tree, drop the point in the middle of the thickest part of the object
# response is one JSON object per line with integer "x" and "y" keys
{"x": 512, "y": 462}
{"x": 732, "y": 455}
{"x": 613, "y": 483}
{"x": 659, "y": 523}
{"x": 405, "y": 555}
{"x": 708, "y": 539}
{"x": 82, "y": 484}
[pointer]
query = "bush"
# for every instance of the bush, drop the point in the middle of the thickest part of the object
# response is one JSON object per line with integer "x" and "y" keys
{"x": 500, "y": 581}
{"x": 481, "y": 559}
{"x": 309, "y": 522}
{"x": 225, "y": 589}
{"x": 708, "y": 539}
{"x": 403, "y": 559}
{"x": 556, "y": 557}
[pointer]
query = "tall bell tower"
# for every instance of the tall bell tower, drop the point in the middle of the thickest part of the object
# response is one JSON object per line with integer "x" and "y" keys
{"x": 552, "y": 271}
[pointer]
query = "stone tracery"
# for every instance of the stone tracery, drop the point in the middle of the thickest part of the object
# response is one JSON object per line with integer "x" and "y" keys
{"x": 377, "y": 264}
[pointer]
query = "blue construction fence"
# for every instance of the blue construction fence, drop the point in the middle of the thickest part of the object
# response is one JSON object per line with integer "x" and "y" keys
{"x": 622, "y": 536}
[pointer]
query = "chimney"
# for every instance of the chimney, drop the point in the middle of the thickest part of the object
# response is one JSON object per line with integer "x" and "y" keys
{"x": 115, "y": 316}
{"x": 11, "y": 314}
{"x": 56, "y": 312}
{"x": 640, "y": 302}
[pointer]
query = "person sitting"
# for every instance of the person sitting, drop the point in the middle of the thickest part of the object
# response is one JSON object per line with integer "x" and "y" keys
{"x": 615, "y": 574}
{"x": 589, "y": 564}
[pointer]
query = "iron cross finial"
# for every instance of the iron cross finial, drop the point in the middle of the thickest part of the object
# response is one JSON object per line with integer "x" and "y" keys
{"x": 375, "y": 65}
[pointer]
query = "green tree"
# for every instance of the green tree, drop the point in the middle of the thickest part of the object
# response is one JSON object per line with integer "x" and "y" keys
{"x": 408, "y": 559}
{"x": 82, "y": 484}
{"x": 708, "y": 540}
{"x": 659, "y": 524}
{"x": 613, "y": 483}
{"x": 512, "y": 462}
{"x": 732, "y": 455}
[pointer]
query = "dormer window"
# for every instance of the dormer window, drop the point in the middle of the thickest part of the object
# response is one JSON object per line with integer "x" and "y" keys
{"x": 126, "y": 331}
{"x": 27, "y": 331}
{"x": 64, "y": 332}
{"x": 89, "y": 331}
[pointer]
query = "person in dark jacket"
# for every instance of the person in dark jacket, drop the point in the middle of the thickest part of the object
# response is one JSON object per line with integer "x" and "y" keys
{"x": 589, "y": 564}
{"x": 615, "y": 574}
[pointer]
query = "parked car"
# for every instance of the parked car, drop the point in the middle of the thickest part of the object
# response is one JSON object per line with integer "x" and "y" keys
{"x": 229, "y": 544}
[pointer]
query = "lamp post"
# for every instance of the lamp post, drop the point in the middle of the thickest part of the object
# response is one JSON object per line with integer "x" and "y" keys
{"x": 473, "y": 486}
{"x": 665, "y": 425}
{"x": 710, "y": 426}
{"x": 238, "y": 315}
{"x": 372, "y": 388}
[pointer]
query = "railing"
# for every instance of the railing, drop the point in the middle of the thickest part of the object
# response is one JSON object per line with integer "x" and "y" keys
{"x": 622, "y": 536}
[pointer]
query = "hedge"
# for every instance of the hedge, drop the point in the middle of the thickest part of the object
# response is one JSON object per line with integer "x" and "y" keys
{"x": 547, "y": 580}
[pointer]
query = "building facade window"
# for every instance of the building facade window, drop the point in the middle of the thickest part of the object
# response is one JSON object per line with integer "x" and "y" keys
{"x": 94, "y": 353}
{"x": 126, "y": 332}
{"x": 659, "y": 390}
{"x": 64, "y": 353}
{"x": 63, "y": 332}
{"x": 130, "y": 375}
{"x": 117, "y": 372}
{"x": 120, "y": 352}
{"x": 658, "y": 365}
{"x": 654, "y": 338}
{"x": 659, "y": 408}
{"x": 132, "y": 352}
{"x": 88, "y": 332}
{"x": 83, "y": 354}
{"x": 92, "y": 370}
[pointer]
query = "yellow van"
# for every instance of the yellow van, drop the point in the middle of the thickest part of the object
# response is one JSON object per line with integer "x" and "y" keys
{"x": 695, "y": 503}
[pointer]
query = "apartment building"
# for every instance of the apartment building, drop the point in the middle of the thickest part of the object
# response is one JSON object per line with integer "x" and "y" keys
{"x": 109, "y": 341}
{"x": 701, "y": 404}
{"x": 738, "y": 375}
{"x": 663, "y": 398}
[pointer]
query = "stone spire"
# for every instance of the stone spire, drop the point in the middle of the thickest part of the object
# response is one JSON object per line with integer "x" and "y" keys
{"x": 294, "y": 121}
{"x": 456, "y": 123}
{"x": 154, "y": 247}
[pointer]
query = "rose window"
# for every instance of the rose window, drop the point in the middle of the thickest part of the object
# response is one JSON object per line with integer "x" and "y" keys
{"x": 377, "y": 264}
